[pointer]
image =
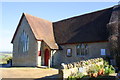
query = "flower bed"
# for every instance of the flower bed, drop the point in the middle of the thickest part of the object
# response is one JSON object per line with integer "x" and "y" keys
{"x": 79, "y": 67}
{"x": 94, "y": 70}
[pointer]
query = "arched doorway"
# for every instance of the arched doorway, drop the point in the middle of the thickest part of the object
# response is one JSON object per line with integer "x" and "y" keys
{"x": 46, "y": 57}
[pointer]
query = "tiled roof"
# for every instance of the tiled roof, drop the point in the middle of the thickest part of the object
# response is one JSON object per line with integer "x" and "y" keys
{"x": 91, "y": 27}
{"x": 42, "y": 30}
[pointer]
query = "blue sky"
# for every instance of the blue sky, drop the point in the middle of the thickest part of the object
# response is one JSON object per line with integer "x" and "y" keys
{"x": 52, "y": 11}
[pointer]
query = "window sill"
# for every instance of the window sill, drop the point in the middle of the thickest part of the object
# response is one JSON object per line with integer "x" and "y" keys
{"x": 69, "y": 56}
{"x": 81, "y": 56}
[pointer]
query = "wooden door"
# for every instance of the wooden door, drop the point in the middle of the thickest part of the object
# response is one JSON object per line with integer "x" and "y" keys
{"x": 46, "y": 57}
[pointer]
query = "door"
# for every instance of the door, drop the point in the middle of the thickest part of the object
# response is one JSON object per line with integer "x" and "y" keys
{"x": 46, "y": 57}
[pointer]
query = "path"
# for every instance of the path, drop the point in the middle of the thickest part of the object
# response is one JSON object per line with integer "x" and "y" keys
{"x": 35, "y": 73}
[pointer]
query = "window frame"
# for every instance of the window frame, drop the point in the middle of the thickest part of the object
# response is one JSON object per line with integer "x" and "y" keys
{"x": 83, "y": 50}
{"x": 23, "y": 43}
{"x": 103, "y": 52}
{"x": 67, "y": 54}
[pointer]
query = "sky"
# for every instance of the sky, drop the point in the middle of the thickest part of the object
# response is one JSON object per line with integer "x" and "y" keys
{"x": 52, "y": 11}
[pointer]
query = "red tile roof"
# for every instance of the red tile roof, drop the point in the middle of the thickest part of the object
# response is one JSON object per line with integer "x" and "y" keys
{"x": 42, "y": 30}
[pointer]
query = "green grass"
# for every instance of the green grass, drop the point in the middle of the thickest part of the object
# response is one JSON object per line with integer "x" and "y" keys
{"x": 4, "y": 58}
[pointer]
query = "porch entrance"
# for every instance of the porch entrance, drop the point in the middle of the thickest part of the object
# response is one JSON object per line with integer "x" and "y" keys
{"x": 46, "y": 57}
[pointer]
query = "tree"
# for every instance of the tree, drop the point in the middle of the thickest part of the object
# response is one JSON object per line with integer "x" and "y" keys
{"x": 114, "y": 34}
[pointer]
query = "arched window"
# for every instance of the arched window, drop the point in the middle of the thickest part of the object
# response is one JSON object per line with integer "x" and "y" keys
{"x": 82, "y": 49}
{"x": 78, "y": 49}
{"x": 86, "y": 49}
{"x": 23, "y": 43}
{"x": 27, "y": 43}
{"x": 69, "y": 52}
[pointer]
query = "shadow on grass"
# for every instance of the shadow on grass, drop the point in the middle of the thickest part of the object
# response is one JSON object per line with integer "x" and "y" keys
{"x": 9, "y": 64}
